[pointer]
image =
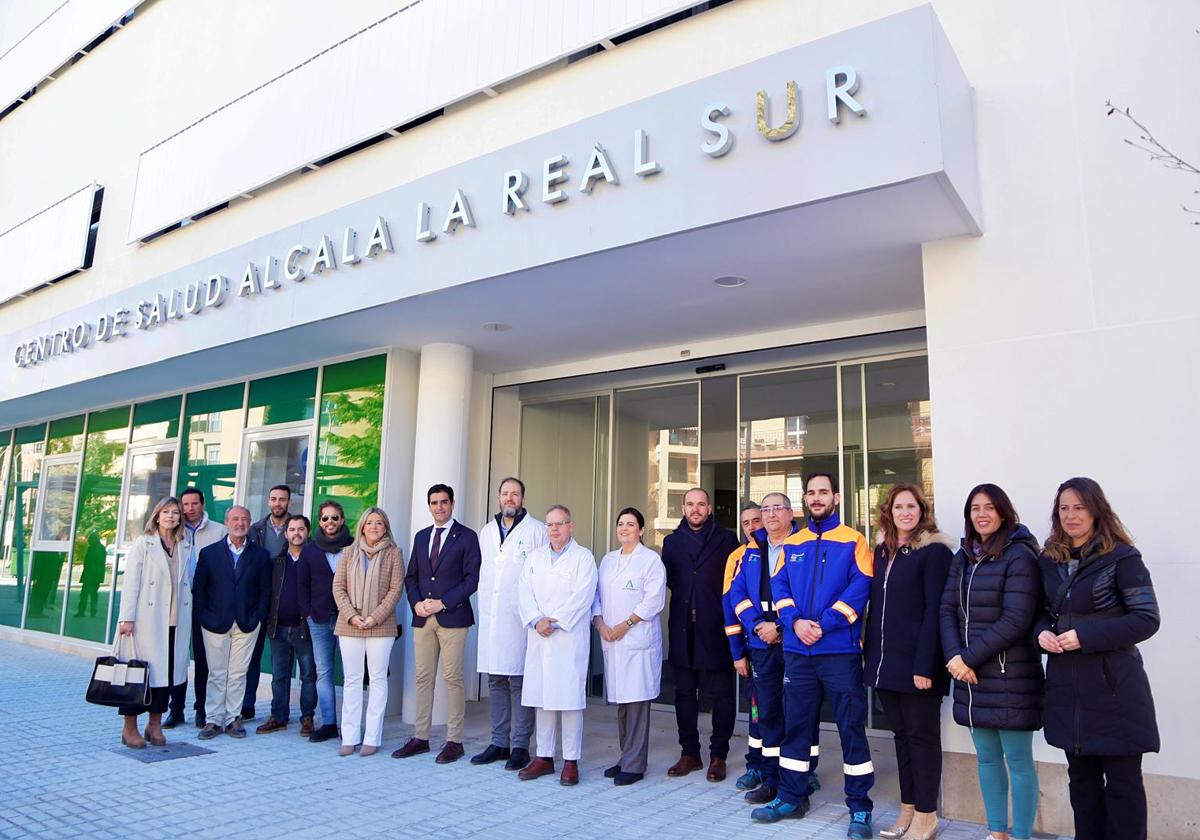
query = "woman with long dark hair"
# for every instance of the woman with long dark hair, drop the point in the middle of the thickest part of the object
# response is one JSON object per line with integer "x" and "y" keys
{"x": 1099, "y": 710}
{"x": 904, "y": 650}
{"x": 988, "y": 610}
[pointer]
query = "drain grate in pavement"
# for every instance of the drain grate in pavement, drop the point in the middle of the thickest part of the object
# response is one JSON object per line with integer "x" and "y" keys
{"x": 175, "y": 749}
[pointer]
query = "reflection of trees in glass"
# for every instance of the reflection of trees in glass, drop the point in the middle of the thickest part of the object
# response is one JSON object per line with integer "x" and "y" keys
{"x": 348, "y": 460}
{"x": 100, "y": 492}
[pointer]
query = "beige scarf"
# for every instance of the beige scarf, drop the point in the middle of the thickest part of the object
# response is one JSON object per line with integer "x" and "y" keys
{"x": 364, "y": 576}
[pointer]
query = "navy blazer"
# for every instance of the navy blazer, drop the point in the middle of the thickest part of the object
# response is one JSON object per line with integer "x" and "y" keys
{"x": 457, "y": 575}
{"x": 221, "y": 596}
{"x": 315, "y": 585}
{"x": 696, "y": 577}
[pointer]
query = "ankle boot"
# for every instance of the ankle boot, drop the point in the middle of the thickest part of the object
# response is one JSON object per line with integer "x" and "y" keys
{"x": 130, "y": 736}
{"x": 900, "y": 826}
{"x": 924, "y": 826}
{"x": 154, "y": 733}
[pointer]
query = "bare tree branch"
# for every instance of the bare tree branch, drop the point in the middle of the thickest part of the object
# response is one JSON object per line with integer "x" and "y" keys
{"x": 1158, "y": 153}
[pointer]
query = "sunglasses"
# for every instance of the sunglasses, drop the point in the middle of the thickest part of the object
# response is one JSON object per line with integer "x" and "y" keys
{"x": 333, "y": 518}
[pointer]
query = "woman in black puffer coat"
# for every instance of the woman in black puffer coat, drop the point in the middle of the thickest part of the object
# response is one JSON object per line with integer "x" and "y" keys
{"x": 988, "y": 609}
{"x": 1099, "y": 710}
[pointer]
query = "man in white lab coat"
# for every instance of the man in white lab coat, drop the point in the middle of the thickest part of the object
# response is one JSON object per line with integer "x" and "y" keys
{"x": 505, "y": 543}
{"x": 556, "y": 591}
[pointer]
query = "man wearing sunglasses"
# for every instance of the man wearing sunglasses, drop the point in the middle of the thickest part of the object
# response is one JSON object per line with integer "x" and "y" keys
{"x": 318, "y": 562}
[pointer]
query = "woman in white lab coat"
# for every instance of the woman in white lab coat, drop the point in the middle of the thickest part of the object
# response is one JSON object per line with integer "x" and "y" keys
{"x": 632, "y": 591}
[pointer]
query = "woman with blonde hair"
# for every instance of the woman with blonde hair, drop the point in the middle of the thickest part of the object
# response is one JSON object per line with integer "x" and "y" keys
{"x": 366, "y": 587}
{"x": 904, "y": 650}
{"x": 156, "y": 613}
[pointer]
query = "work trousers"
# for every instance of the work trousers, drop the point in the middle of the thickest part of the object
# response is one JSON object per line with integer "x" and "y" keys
{"x": 767, "y": 669}
{"x": 806, "y": 680}
{"x": 1107, "y": 796}
{"x": 917, "y": 730}
{"x": 433, "y": 643}
{"x": 633, "y": 730}
{"x": 377, "y": 651}
{"x": 754, "y": 757}
{"x": 994, "y": 748}
{"x": 720, "y": 687}
{"x": 504, "y": 700}
{"x": 228, "y": 658}
{"x": 572, "y": 733}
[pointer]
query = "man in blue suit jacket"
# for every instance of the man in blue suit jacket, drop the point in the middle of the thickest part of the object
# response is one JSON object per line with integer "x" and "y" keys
{"x": 443, "y": 572}
{"x": 231, "y": 591}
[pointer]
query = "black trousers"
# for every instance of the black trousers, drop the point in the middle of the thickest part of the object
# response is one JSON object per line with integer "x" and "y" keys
{"x": 159, "y": 695}
{"x": 179, "y": 692}
{"x": 916, "y": 726}
{"x": 1107, "y": 796}
{"x": 721, "y": 687}
{"x": 255, "y": 670}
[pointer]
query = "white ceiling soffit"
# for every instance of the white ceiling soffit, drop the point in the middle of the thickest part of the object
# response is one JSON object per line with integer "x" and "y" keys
{"x": 47, "y": 245}
{"x": 65, "y": 31}
{"x": 426, "y": 55}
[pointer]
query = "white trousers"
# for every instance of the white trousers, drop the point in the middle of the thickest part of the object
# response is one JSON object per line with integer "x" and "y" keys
{"x": 377, "y": 651}
{"x": 572, "y": 733}
{"x": 229, "y": 657}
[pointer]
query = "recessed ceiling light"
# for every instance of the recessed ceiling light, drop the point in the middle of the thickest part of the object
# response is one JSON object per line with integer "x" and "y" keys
{"x": 730, "y": 281}
{"x": 496, "y": 326}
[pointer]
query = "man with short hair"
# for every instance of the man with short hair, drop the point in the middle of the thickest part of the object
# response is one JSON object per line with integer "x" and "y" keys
{"x": 231, "y": 592}
{"x": 694, "y": 555}
{"x": 505, "y": 544}
{"x": 268, "y": 532}
{"x": 556, "y": 591}
{"x": 750, "y": 520}
{"x": 443, "y": 573}
{"x": 821, "y": 585}
{"x": 291, "y": 642}
{"x": 201, "y": 533}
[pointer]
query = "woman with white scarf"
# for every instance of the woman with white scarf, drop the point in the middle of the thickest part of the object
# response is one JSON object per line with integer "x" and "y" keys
{"x": 366, "y": 587}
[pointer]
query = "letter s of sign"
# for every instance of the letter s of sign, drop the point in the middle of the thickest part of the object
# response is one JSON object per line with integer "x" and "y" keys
{"x": 724, "y": 139}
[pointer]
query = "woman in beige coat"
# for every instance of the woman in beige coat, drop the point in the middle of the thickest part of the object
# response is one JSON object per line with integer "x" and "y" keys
{"x": 366, "y": 587}
{"x": 156, "y": 611}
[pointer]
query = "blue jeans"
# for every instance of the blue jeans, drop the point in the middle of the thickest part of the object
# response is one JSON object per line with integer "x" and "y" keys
{"x": 324, "y": 645}
{"x": 994, "y": 747}
{"x": 287, "y": 644}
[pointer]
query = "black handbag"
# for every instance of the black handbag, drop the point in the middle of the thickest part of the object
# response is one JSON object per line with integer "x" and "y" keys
{"x": 120, "y": 682}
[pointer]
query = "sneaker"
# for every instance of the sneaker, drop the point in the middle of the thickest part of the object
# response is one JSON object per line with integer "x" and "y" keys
{"x": 777, "y": 810}
{"x": 860, "y": 826}
{"x": 210, "y": 731}
{"x": 761, "y": 795}
{"x": 749, "y": 780}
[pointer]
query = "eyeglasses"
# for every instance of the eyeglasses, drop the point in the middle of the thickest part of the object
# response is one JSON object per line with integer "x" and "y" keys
{"x": 333, "y": 518}
{"x": 774, "y": 508}
{"x": 558, "y": 524}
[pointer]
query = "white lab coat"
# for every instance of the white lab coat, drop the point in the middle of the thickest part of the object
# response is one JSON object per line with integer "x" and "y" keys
{"x": 628, "y": 584}
{"x": 501, "y": 636}
{"x": 562, "y": 588}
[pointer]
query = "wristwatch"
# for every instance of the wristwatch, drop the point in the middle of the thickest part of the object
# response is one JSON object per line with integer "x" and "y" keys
{"x": 629, "y": 622}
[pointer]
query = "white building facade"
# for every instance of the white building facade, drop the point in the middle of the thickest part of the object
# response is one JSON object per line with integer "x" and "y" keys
{"x": 618, "y": 249}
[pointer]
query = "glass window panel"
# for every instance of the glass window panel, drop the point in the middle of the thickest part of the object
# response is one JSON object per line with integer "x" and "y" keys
{"x": 20, "y": 502}
{"x": 788, "y": 428}
{"x": 93, "y": 557}
{"x": 59, "y": 482}
{"x": 66, "y": 435}
{"x": 899, "y": 444}
{"x": 46, "y": 591}
{"x": 212, "y": 440}
{"x": 151, "y": 477}
{"x": 349, "y": 437}
{"x": 278, "y": 460}
{"x": 856, "y": 510}
{"x": 157, "y": 420}
{"x": 282, "y": 399}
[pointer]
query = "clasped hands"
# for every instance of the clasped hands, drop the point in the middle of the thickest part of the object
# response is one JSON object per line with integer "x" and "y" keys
{"x": 363, "y": 622}
{"x": 807, "y": 631}
{"x": 961, "y": 671}
{"x": 611, "y": 634}
{"x": 1060, "y": 643}
{"x": 428, "y": 607}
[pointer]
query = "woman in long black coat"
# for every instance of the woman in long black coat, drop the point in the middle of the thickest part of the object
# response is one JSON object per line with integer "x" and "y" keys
{"x": 1099, "y": 604}
{"x": 904, "y": 651}
{"x": 991, "y": 599}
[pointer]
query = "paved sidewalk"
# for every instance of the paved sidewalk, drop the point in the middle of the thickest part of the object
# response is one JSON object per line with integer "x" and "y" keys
{"x": 64, "y": 774}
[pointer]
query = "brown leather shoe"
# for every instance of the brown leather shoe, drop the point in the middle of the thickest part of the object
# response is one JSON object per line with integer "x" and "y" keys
{"x": 570, "y": 773}
{"x": 716, "y": 769}
{"x": 686, "y": 764}
{"x": 413, "y": 746}
{"x": 270, "y": 725}
{"x": 450, "y": 753}
{"x": 306, "y": 727}
{"x": 536, "y": 769}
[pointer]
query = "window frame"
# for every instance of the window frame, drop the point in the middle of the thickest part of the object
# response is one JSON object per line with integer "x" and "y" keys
{"x": 124, "y": 541}
{"x": 277, "y": 431}
{"x": 49, "y": 461}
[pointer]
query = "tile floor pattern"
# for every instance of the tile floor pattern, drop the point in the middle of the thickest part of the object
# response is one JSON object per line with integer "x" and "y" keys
{"x": 60, "y": 777}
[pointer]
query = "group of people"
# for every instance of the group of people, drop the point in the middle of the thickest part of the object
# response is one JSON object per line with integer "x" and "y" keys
{"x": 803, "y": 609}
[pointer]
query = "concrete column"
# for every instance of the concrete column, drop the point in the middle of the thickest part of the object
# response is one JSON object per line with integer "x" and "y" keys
{"x": 439, "y": 457}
